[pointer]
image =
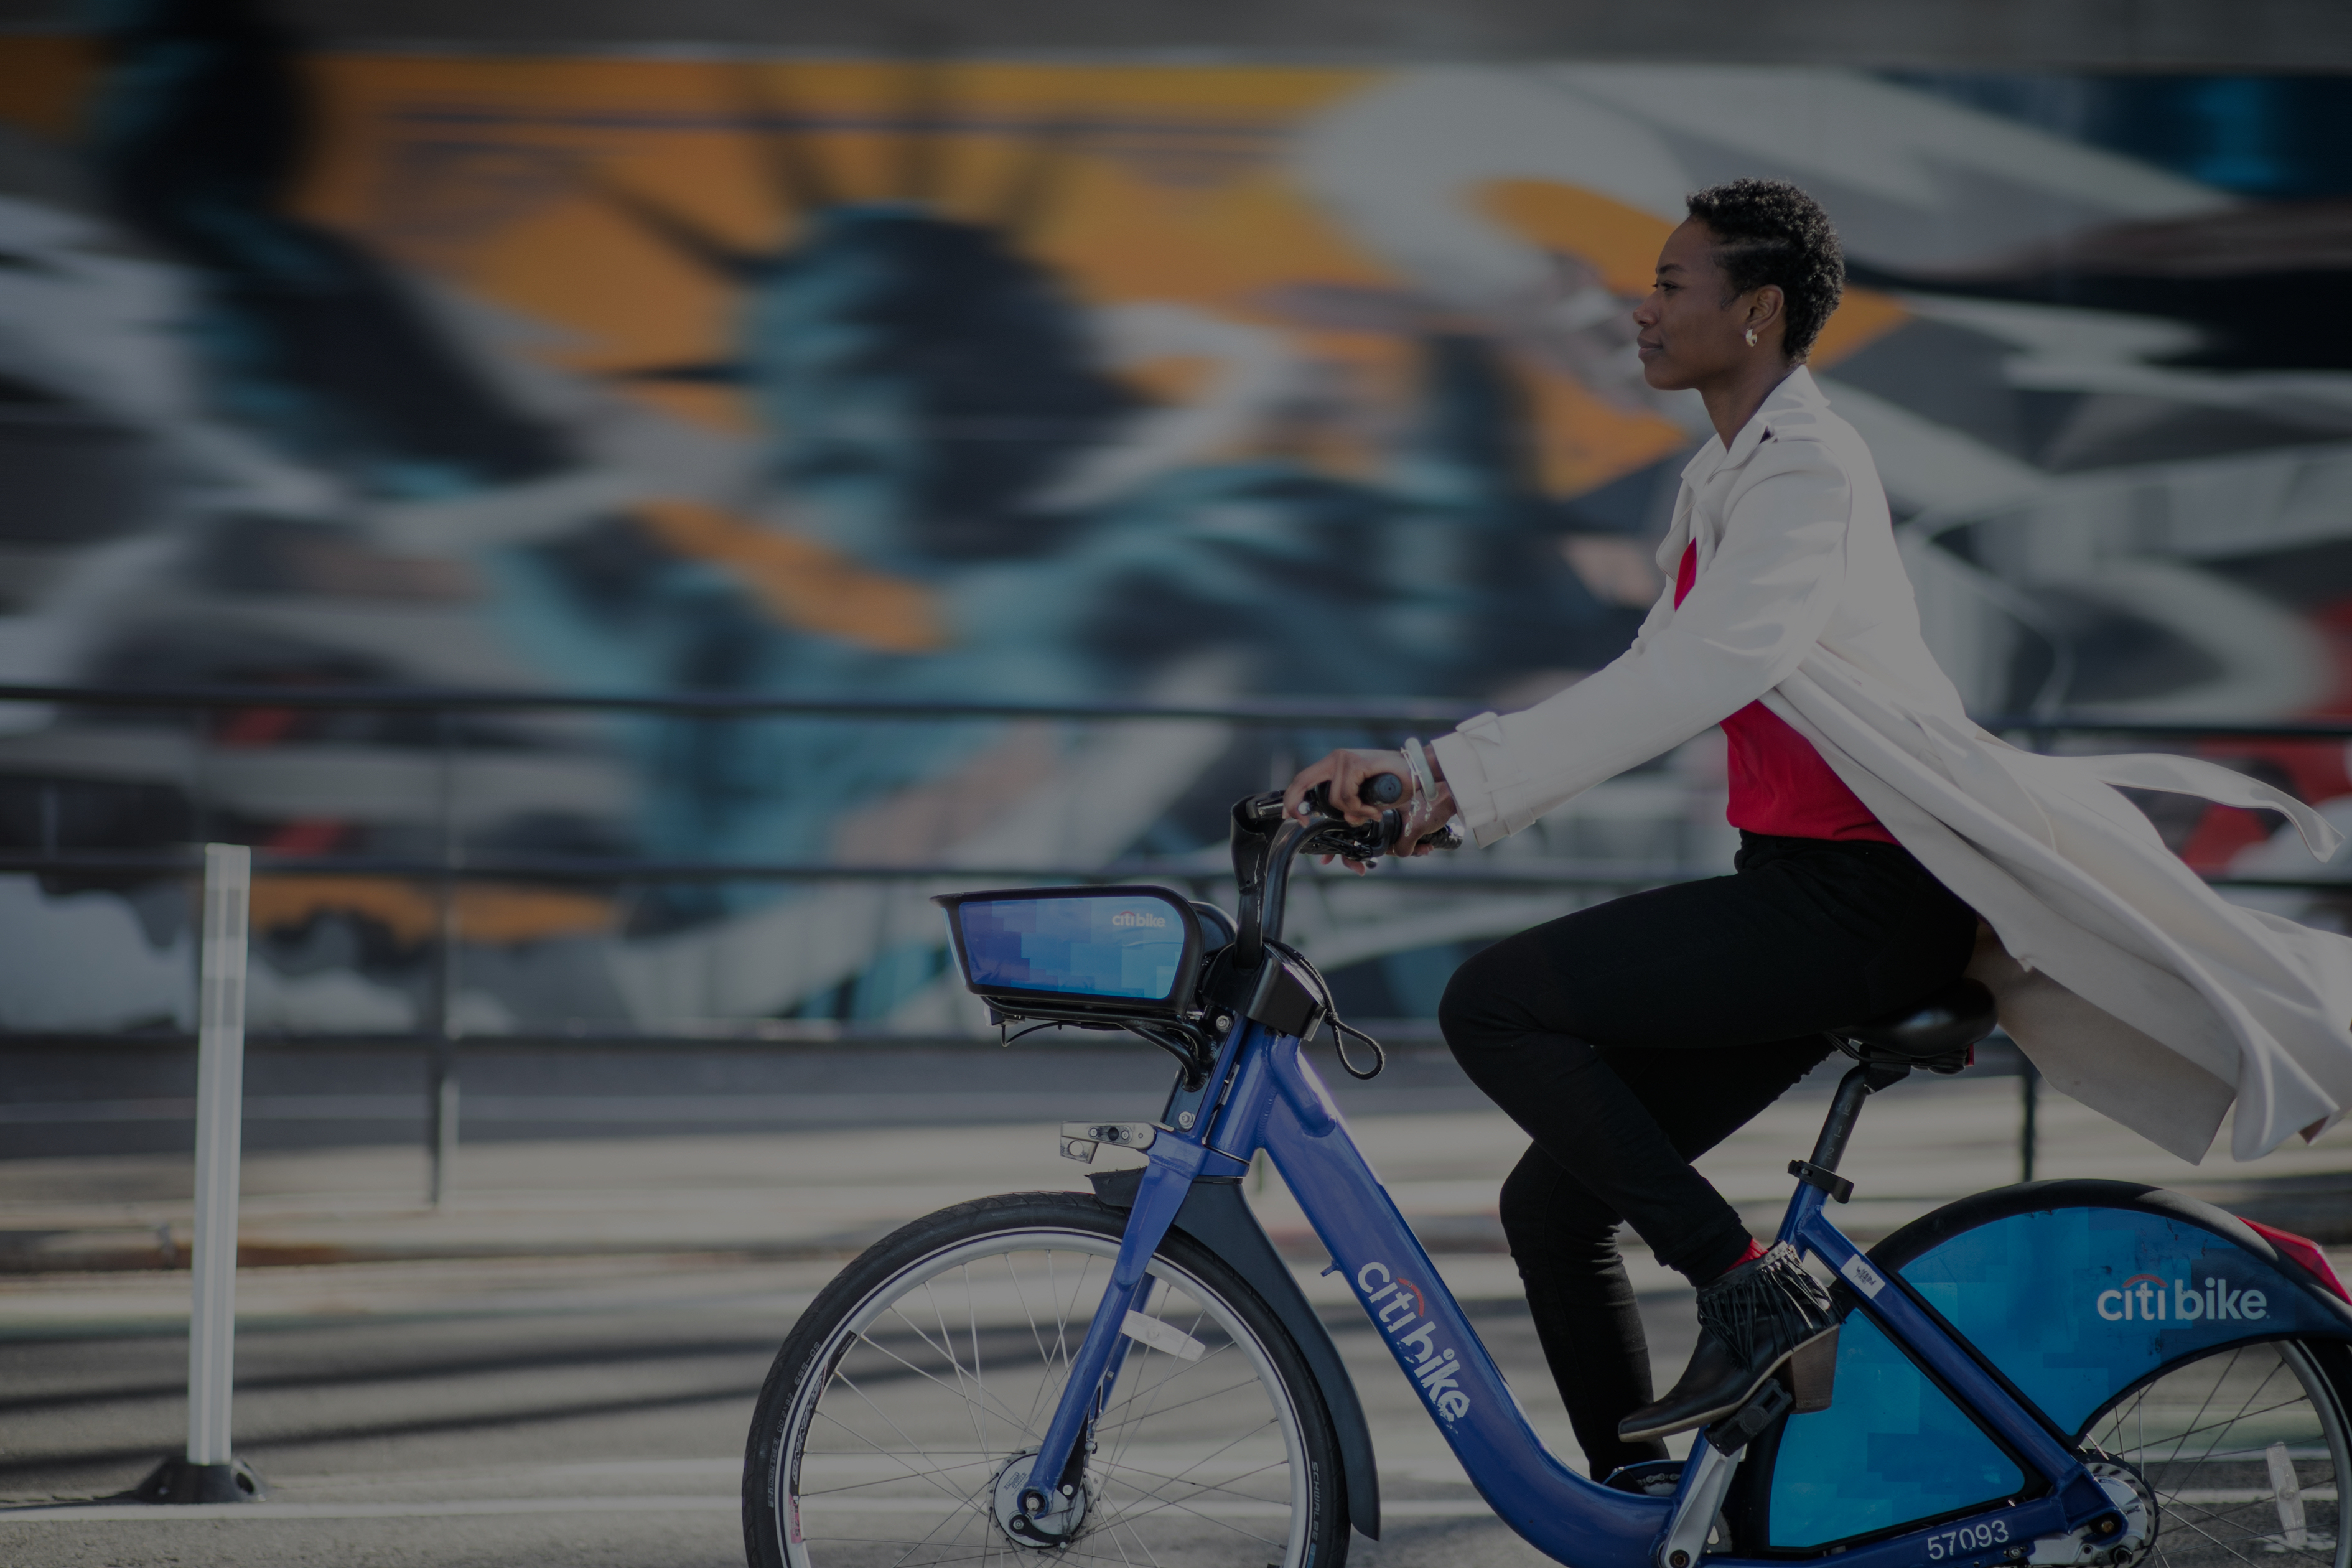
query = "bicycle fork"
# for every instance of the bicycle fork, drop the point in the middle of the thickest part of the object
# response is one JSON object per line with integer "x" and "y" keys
{"x": 1050, "y": 1493}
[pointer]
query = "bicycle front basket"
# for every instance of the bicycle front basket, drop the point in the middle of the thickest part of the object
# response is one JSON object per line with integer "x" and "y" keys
{"x": 1133, "y": 952}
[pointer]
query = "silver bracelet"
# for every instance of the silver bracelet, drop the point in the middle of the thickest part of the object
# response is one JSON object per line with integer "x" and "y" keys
{"x": 1417, "y": 759}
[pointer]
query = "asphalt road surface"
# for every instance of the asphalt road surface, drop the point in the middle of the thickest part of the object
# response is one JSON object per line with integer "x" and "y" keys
{"x": 559, "y": 1366}
{"x": 575, "y": 1413}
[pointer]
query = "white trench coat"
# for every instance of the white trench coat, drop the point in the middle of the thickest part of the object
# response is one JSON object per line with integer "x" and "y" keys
{"x": 2133, "y": 987}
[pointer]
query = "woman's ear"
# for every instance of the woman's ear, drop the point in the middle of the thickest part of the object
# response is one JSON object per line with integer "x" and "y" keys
{"x": 1765, "y": 307}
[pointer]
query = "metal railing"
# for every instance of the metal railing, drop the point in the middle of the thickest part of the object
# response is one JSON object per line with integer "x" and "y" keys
{"x": 1376, "y": 720}
{"x": 1370, "y": 721}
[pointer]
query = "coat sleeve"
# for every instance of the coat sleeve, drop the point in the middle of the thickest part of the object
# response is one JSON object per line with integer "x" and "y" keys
{"x": 1760, "y": 605}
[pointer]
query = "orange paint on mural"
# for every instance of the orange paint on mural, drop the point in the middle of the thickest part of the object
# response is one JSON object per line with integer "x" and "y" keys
{"x": 623, "y": 205}
{"x": 1154, "y": 184}
{"x": 1617, "y": 241}
{"x": 482, "y": 912}
{"x": 46, "y": 82}
{"x": 801, "y": 581}
{"x": 1160, "y": 184}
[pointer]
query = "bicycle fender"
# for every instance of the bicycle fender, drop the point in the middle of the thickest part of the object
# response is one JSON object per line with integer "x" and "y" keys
{"x": 1216, "y": 1215}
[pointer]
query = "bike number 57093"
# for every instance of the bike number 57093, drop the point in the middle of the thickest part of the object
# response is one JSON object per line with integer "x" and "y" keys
{"x": 1969, "y": 1538}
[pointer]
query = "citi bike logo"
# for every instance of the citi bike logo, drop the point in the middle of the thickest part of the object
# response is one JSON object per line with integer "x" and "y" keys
{"x": 1397, "y": 1306}
{"x": 1126, "y": 918}
{"x": 2149, "y": 1298}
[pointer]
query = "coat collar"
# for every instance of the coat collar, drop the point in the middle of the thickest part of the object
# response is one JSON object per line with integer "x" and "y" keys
{"x": 1797, "y": 391}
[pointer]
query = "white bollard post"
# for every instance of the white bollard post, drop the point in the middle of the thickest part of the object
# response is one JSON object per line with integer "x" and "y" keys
{"x": 210, "y": 1472}
{"x": 220, "y": 1104}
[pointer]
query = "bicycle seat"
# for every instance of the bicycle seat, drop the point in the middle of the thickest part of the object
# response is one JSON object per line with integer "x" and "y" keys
{"x": 1945, "y": 1025}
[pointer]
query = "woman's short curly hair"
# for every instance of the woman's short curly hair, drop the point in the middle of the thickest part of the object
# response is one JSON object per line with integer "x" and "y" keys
{"x": 1768, "y": 231}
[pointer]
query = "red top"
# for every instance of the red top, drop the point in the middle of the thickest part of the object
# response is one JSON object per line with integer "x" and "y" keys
{"x": 1779, "y": 784}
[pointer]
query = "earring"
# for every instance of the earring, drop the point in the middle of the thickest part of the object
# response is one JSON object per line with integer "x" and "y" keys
{"x": 1751, "y": 337}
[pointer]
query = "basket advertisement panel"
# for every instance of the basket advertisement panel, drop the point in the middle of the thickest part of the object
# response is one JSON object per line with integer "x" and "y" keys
{"x": 1110, "y": 947}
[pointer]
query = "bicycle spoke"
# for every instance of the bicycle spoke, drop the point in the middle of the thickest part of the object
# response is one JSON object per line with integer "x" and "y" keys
{"x": 1182, "y": 1475}
{"x": 1207, "y": 1518}
{"x": 2241, "y": 1412}
{"x": 2218, "y": 1426}
{"x": 2204, "y": 1404}
{"x": 2200, "y": 1438}
{"x": 2211, "y": 1537}
{"x": 925, "y": 1475}
{"x": 912, "y": 1473}
{"x": 878, "y": 1345}
{"x": 918, "y": 1545}
{"x": 972, "y": 1318}
{"x": 1158, "y": 1495}
{"x": 947, "y": 1345}
{"x": 918, "y": 1372}
{"x": 845, "y": 1491}
{"x": 1180, "y": 1404}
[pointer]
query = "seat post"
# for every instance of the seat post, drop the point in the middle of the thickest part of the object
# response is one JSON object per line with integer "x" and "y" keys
{"x": 1858, "y": 1085}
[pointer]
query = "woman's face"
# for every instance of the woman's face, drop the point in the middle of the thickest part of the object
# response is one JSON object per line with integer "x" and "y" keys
{"x": 1690, "y": 330}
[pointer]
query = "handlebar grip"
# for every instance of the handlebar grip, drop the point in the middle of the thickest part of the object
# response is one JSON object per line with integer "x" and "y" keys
{"x": 1380, "y": 789}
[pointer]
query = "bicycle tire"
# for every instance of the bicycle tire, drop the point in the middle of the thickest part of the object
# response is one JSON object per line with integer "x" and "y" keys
{"x": 933, "y": 1361}
{"x": 2246, "y": 1451}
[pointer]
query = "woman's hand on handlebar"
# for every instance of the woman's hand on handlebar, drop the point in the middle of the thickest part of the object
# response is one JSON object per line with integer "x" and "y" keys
{"x": 1346, "y": 771}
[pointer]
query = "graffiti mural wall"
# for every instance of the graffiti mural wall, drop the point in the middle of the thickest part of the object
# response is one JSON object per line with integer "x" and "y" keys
{"x": 919, "y": 380}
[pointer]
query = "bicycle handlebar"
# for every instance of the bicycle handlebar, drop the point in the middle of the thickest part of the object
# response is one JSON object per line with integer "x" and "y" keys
{"x": 1266, "y": 843}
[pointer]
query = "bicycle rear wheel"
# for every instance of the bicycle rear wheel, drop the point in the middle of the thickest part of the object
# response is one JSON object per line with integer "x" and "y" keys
{"x": 931, "y": 1366}
{"x": 2245, "y": 1453}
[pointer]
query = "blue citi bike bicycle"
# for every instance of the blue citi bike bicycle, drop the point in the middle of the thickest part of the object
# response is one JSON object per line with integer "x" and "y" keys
{"x": 2058, "y": 1372}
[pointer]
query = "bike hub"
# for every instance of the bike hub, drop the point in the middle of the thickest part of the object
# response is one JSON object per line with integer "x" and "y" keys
{"x": 2112, "y": 1548}
{"x": 1037, "y": 1517}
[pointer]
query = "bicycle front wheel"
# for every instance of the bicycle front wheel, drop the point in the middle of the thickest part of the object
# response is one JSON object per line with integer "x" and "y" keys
{"x": 927, "y": 1373}
{"x": 2245, "y": 1454}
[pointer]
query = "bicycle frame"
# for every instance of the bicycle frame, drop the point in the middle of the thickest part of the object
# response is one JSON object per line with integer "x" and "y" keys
{"x": 1263, "y": 1095}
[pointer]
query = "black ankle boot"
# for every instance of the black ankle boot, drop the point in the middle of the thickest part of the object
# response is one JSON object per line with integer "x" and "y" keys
{"x": 1767, "y": 1312}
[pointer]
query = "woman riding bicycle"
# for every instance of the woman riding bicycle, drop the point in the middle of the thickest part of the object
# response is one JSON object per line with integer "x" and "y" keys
{"x": 1876, "y": 825}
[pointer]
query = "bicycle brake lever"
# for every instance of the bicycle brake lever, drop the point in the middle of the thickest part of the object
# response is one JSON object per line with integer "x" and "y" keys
{"x": 1359, "y": 843}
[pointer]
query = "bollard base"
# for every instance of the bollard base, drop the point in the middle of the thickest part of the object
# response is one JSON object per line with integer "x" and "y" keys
{"x": 177, "y": 1480}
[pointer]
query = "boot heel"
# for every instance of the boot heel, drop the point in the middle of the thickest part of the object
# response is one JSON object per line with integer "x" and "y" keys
{"x": 1812, "y": 1373}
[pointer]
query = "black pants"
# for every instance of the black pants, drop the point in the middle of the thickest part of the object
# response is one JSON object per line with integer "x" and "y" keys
{"x": 1630, "y": 1037}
